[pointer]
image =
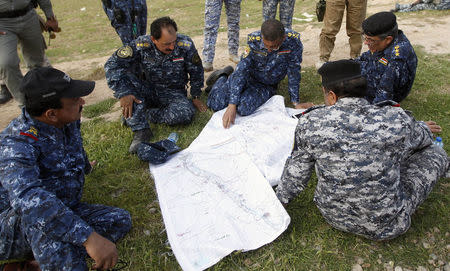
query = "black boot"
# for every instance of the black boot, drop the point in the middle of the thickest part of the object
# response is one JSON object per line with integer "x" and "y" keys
{"x": 5, "y": 95}
{"x": 212, "y": 78}
{"x": 143, "y": 135}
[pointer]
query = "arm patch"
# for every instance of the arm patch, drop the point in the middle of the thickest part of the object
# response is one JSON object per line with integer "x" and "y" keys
{"x": 124, "y": 52}
{"x": 196, "y": 60}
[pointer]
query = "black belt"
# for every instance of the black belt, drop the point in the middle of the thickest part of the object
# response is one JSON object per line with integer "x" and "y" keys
{"x": 16, "y": 13}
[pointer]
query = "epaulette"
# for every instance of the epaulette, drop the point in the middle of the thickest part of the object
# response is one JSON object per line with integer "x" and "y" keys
{"x": 292, "y": 35}
{"x": 309, "y": 110}
{"x": 387, "y": 102}
{"x": 255, "y": 36}
{"x": 32, "y": 133}
{"x": 143, "y": 42}
{"x": 184, "y": 41}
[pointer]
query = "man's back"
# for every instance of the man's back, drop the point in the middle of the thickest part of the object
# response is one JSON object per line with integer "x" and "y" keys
{"x": 359, "y": 150}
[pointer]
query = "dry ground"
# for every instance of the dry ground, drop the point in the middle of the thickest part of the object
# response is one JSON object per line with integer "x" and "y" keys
{"x": 431, "y": 33}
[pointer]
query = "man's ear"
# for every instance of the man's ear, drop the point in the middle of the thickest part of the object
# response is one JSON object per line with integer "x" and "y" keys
{"x": 50, "y": 115}
{"x": 331, "y": 97}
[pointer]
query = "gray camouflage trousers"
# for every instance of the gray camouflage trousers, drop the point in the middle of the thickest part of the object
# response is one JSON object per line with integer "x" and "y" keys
{"x": 161, "y": 106}
{"x": 20, "y": 241}
{"x": 286, "y": 11}
{"x": 426, "y": 4}
{"x": 213, "y": 9}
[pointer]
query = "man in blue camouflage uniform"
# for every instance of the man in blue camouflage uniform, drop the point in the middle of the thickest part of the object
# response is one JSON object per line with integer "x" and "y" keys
{"x": 286, "y": 11}
{"x": 169, "y": 61}
{"x": 128, "y": 17}
{"x": 272, "y": 53}
{"x": 390, "y": 64}
{"x": 213, "y": 9}
{"x": 422, "y": 5}
{"x": 43, "y": 164}
{"x": 375, "y": 164}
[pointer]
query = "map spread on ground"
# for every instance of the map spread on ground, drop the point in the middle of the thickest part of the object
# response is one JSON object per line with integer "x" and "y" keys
{"x": 216, "y": 195}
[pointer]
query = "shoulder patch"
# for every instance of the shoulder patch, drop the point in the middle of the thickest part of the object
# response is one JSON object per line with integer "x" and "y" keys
{"x": 31, "y": 133}
{"x": 196, "y": 60}
{"x": 246, "y": 51}
{"x": 124, "y": 52}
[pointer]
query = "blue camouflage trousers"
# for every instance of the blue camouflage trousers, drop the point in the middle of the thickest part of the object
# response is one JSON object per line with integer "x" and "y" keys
{"x": 253, "y": 96}
{"x": 286, "y": 11}
{"x": 213, "y": 9}
{"x": 122, "y": 13}
{"x": 21, "y": 241}
{"x": 161, "y": 106}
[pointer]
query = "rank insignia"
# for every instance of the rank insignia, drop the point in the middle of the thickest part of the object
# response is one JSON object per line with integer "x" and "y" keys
{"x": 397, "y": 50}
{"x": 125, "y": 52}
{"x": 31, "y": 133}
{"x": 383, "y": 61}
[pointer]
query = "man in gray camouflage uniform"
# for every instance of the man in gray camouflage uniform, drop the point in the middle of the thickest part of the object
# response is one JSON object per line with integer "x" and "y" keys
{"x": 422, "y": 5}
{"x": 213, "y": 9}
{"x": 375, "y": 164}
{"x": 286, "y": 11}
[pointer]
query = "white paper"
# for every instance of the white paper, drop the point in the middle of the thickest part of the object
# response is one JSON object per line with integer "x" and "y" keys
{"x": 215, "y": 196}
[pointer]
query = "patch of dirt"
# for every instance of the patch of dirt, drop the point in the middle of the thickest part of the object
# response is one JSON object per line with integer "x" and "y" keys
{"x": 429, "y": 33}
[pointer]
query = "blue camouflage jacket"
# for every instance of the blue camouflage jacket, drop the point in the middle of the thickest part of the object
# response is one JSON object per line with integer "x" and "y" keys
{"x": 390, "y": 73}
{"x": 43, "y": 170}
{"x": 172, "y": 71}
{"x": 258, "y": 65}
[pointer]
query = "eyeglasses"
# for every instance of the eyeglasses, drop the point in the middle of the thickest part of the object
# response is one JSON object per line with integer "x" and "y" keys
{"x": 371, "y": 41}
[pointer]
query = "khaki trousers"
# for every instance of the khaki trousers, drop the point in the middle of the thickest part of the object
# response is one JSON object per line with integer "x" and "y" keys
{"x": 356, "y": 12}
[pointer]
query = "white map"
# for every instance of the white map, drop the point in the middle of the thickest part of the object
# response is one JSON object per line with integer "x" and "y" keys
{"x": 216, "y": 195}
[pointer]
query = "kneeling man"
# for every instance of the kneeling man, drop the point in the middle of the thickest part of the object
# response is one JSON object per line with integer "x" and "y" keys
{"x": 272, "y": 54}
{"x": 375, "y": 164}
{"x": 43, "y": 164}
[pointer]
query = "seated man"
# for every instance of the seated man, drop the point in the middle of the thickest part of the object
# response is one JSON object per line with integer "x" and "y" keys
{"x": 43, "y": 164}
{"x": 375, "y": 164}
{"x": 272, "y": 53}
{"x": 169, "y": 61}
{"x": 390, "y": 64}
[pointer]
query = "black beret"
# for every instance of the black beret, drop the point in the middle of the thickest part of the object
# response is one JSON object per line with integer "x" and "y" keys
{"x": 379, "y": 23}
{"x": 337, "y": 71}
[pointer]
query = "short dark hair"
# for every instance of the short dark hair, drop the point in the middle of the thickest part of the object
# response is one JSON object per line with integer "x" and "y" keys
{"x": 37, "y": 107}
{"x": 160, "y": 23}
{"x": 356, "y": 87}
{"x": 272, "y": 30}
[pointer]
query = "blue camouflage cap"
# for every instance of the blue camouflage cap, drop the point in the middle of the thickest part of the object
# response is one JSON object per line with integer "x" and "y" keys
{"x": 158, "y": 152}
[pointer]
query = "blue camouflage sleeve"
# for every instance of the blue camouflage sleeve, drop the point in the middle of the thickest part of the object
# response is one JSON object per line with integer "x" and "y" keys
{"x": 37, "y": 206}
{"x": 119, "y": 72}
{"x": 294, "y": 75}
{"x": 239, "y": 78}
{"x": 393, "y": 76}
{"x": 195, "y": 70}
{"x": 298, "y": 168}
{"x": 420, "y": 136}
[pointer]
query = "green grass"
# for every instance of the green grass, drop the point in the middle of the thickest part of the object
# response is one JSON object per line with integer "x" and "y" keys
{"x": 95, "y": 110}
{"x": 309, "y": 243}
